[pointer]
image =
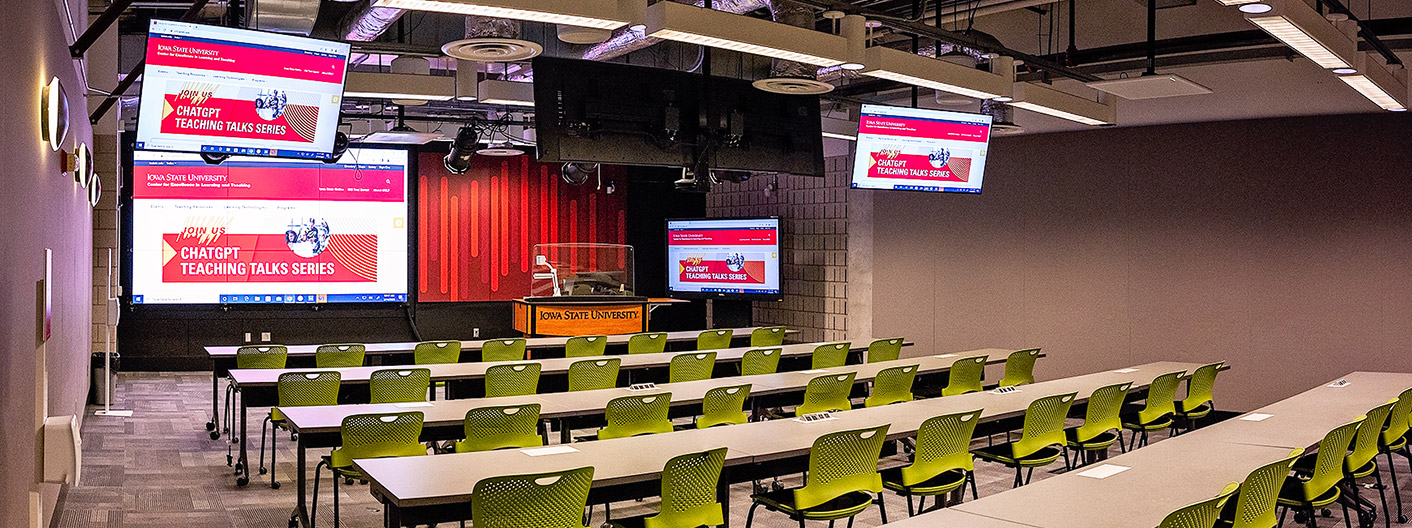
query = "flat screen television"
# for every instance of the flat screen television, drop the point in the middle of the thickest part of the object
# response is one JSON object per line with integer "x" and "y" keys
{"x": 915, "y": 149}
{"x": 258, "y": 230}
{"x": 222, "y": 90}
{"x": 731, "y": 258}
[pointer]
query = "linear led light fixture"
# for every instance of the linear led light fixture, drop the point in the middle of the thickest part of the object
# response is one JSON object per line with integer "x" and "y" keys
{"x": 377, "y": 85}
{"x": 720, "y": 29}
{"x": 927, "y": 72}
{"x": 1045, "y": 100}
{"x": 1385, "y": 88}
{"x": 1298, "y": 26}
{"x": 509, "y": 93}
{"x": 1229, "y": 3}
{"x": 601, "y": 14}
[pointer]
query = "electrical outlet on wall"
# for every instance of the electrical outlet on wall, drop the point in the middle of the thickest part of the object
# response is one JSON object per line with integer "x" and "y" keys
{"x": 265, "y": 337}
{"x": 247, "y": 337}
{"x": 475, "y": 332}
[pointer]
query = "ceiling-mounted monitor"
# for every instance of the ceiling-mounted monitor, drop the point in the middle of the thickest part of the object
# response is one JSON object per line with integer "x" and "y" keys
{"x": 915, "y": 149}
{"x": 222, "y": 90}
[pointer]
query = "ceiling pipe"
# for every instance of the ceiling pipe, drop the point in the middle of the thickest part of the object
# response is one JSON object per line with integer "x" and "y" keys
{"x": 628, "y": 40}
{"x": 366, "y": 23}
{"x": 794, "y": 14}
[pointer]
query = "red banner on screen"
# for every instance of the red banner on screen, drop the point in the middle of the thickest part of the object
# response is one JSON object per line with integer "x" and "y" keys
{"x": 221, "y": 57}
{"x": 219, "y": 257}
{"x": 917, "y": 167}
{"x": 268, "y": 181}
{"x": 717, "y": 271}
{"x": 922, "y": 128}
{"x": 724, "y": 237}
{"x": 198, "y": 113}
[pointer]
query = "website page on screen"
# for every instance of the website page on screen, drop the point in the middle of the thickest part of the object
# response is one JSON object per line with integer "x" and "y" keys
{"x": 264, "y": 230}
{"x": 232, "y": 91}
{"x": 915, "y": 149}
{"x": 724, "y": 256}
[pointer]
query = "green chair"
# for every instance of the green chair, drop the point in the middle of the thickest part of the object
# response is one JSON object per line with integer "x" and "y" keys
{"x": 637, "y": 415}
{"x": 827, "y": 393}
{"x": 1198, "y": 403}
{"x": 1019, "y": 367}
{"x": 892, "y": 385}
{"x": 541, "y": 500}
{"x": 1157, "y": 414}
{"x": 1041, "y": 440}
{"x": 368, "y": 436}
{"x": 296, "y": 389}
{"x": 767, "y": 336}
{"x": 724, "y": 406}
{"x": 714, "y": 339}
{"x": 250, "y": 357}
{"x": 842, "y": 480}
{"x": 399, "y": 385}
{"x": 585, "y": 346}
{"x": 830, "y": 355}
{"x": 1309, "y": 491}
{"x": 520, "y": 379}
{"x": 1361, "y": 461}
{"x": 436, "y": 352}
{"x": 884, "y": 350}
{"x": 647, "y": 343}
{"x": 688, "y": 494}
{"x": 503, "y": 350}
{"x": 942, "y": 462}
{"x": 593, "y": 374}
{"x": 760, "y": 361}
{"x": 1101, "y": 427}
{"x": 691, "y": 366}
{"x": 1202, "y": 514}
{"x": 1394, "y": 440}
{"x": 965, "y": 376}
{"x": 501, "y": 427}
{"x": 1254, "y": 506}
{"x": 341, "y": 355}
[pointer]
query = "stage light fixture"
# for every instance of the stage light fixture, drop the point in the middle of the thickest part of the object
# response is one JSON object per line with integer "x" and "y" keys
{"x": 458, "y": 160}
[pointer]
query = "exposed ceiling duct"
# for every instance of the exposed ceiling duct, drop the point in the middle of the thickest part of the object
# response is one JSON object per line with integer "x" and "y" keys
{"x": 365, "y": 23}
{"x": 295, "y": 17}
{"x": 628, "y": 40}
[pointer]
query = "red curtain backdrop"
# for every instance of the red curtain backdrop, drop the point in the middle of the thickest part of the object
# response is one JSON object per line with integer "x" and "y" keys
{"x": 476, "y": 231}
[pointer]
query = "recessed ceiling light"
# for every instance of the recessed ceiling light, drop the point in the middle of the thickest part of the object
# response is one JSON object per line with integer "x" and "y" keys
{"x": 1254, "y": 9}
{"x": 1344, "y": 71}
{"x": 851, "y": 66}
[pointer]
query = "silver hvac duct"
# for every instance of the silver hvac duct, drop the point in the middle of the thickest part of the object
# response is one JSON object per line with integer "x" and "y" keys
{"x": 798, "y": 15}
{"x": 479, "y": 26}
{"x": 627, "y": 40}
{"x": 295, "y": 17}
{"x": 366, "y": 22}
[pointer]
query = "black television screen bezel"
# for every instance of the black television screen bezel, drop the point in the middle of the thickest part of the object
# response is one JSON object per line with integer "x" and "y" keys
{"x": 677, "y": 294}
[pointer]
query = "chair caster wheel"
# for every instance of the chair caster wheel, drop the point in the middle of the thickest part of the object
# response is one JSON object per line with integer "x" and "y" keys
{"x": 1401, "y": 519}
{"x": 215, "y": 435}
{"x": 264, "y": 471}
{"x": 1326, "y": 513}
{"x": 274, "y": 485}
{"x": 242, "y": 481}
{"x": 210, "y": 426}
{"x": 229, "y": 460}
{"x": 293, "y": 523}
{"x": 348, "y": 482}
{"x": 294, "y": 437}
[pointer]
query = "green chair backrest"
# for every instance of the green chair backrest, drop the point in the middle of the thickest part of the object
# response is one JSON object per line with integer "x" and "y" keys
{"x": 520, "y": 379}
{"x": 767, "y": 336}
{"x": 1397, "y": 421}
{"x": 691, "y": 366}
{"x": 647, "y": 343}
{"x": 892, "y": 385}
{"x": 261, "y": 357}
{"x": 298, "y": 389}
{"x": 1202, "y": 514}
{"x": 1161, "y": 397}
{"x": 1019, "y": 367}
{"x": 637, "y": 415}
{"x": 1044, "y": 424}
{"x": 1255, "y": 505}
{"x": 828, "y": 392}
{"x": 512, "y": 349}
{"x": 1365, "y": 441}
{"x": 593, "y": 374}
{"x": 842, "y": 463}
{"x": 943, "y": 444}
{"x": 585, "y": 346}
{"x": 379, "y": 436}
{"x": 399, "y": 385}
{"x": 830, "y": 355}
{"x": 760, "y": 361}
{"x": 339, "y": 355}
{"x": 1104, "y": 407}
{"x": 501, "y": 427}
{"x": 1328, "y": 462}
{"x": 1199, "y": 385}
{"x": 965, "y": 376}
{"x": 541, "y": 500}
{"x": 884, "y": 350}
{"x": 436, "y": 352}
{"x": 724, "y": 406}
{"x": 689, "y": 492}
{"x": 714, "y": 339}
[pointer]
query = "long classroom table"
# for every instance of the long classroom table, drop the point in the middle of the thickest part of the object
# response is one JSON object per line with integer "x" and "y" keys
{"x": 1173, "y": 473}
{"x": 223, "y": 357}
{"x": 438, "y": 488}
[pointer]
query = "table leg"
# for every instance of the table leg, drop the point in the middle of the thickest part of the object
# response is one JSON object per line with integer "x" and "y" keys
{"x": 393, "y": 516}
{"x": 244, "y": 453}
{"x": 301, "y": 508}
{"x": 215, "y": 403}
{"x": 723, "y": 494}
{"x": 565, "y": 436}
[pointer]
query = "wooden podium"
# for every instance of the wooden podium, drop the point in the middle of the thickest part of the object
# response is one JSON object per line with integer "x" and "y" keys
{"x": 581, "y": 315}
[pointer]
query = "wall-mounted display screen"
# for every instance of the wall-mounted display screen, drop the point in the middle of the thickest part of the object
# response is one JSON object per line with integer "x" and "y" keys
{"x": 914, "y": 149}
{"x": 263, "y": 230}
{"x": 233, "y": 91}
{"x": 730, "y": 258}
